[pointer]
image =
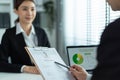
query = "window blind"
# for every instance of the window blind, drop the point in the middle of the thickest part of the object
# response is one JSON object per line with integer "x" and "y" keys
{"x": 85, "y": 20}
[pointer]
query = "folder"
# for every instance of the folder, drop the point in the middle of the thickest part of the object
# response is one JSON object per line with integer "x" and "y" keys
{"x": 44, "y": 59}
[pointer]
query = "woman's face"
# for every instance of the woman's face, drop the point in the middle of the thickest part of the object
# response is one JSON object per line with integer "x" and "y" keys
{"x": 115, "y": 4}
{"x": 26, "y": 12}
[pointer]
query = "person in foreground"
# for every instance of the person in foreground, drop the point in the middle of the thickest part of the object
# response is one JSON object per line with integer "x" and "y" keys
{"x": 23, "y": 34}
{"x": 79, "y": 73}
{"x": 108, "y": 53}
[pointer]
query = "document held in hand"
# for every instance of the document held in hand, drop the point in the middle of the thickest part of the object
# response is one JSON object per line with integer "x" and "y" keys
{"x": 45, "y": 60}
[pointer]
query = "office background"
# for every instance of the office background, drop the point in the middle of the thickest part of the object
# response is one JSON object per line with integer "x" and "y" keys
{"x": 67, "y": 22}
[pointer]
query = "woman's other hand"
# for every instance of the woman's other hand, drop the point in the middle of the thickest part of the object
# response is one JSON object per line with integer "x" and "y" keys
{"x": 31, "y": 69}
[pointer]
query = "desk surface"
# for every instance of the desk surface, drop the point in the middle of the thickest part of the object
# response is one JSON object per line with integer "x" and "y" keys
{"x": 19, "y": 76}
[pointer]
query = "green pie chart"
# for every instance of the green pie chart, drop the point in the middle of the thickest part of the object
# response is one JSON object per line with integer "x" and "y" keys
{"x": 77, "y": 58}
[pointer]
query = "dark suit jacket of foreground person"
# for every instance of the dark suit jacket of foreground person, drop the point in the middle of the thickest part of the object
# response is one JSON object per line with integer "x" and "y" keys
{"x": 13, "y": 45}
{"x": 108, "y": 56}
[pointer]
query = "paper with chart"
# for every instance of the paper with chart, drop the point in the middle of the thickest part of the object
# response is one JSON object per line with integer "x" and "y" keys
{"x": 44, "y": 59}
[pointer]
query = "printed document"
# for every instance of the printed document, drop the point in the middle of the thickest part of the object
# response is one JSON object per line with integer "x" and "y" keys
{"x": 44, "y": 58}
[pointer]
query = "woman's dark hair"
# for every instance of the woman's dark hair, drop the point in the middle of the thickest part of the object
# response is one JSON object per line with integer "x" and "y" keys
{"x": 17, "y": 3}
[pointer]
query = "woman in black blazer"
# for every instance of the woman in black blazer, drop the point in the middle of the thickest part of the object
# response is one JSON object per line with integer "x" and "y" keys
{"x": 16, "y": 38}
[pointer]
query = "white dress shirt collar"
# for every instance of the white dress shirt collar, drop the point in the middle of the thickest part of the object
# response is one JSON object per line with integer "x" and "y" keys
{"x": 19, "y": 29}
{"x": 31, "y": 39}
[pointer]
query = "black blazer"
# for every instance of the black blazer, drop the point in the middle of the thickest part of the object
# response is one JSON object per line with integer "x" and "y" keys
{"x": 108, "y": 54}
{"x": 12, "y": 45}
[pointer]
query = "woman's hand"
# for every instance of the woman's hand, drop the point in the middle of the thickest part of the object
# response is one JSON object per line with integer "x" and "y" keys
{"x": 31, "y": 69}
{"x": 78, "y": 72}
